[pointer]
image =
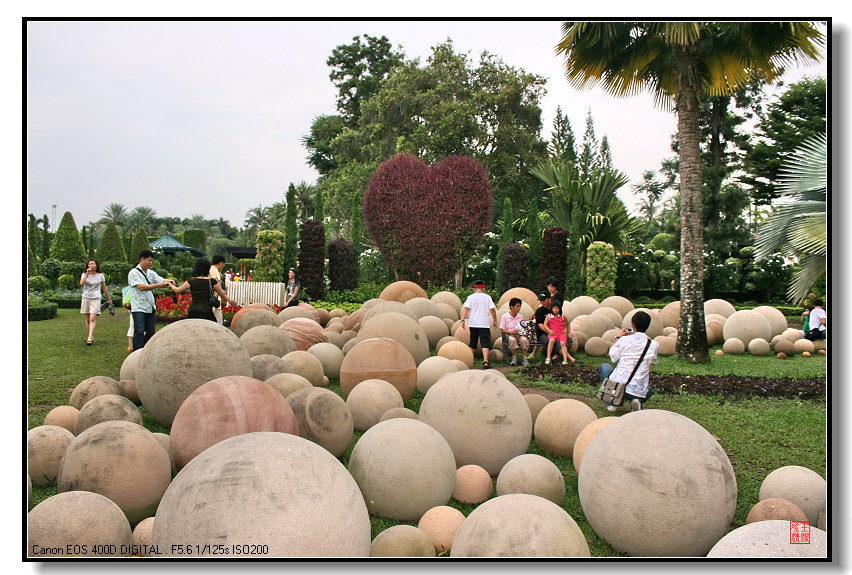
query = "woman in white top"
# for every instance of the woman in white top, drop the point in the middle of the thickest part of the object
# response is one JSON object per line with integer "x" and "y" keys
{"x": 93, "y": 282}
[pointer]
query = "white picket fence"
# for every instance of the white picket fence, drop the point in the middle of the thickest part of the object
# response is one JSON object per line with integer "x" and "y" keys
{"x": 244, "y": 293}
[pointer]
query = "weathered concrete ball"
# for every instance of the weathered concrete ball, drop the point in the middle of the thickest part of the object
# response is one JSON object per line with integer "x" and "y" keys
{"x": 337, "y": 324}
{"x": 670, "y": 332}
{"x": 130, "y": 391}
{"x": 714, "y": 331}
{"x": 92, "y": 387}
{"x": 519, "y": 525}
{"x": 63, "y": 416}
{"x": 532, "y": 474}
{"x": 305, "y": 364}
{"x": 371, "y": 399}
{"x": 448, "y": 312}
{"x": 128, "y": 366}
{"x": 654, "y": 329}
{"x": 330, "y": 356}
{"x": 402, "y": 291}
{"x": 610, "y": 335}
{"x": 579, "y": 341}
{"x": 435, "y": 328}
{"x": 323, "y": 418}
{"x": 354, "y": 320}
{"x": 296, "y": 311}
{"x": 122, "y": 461}
{"x": 388, "y": 307}
{"x": 226, "y": 407}
{"x": 536, "y": 403}
{"x": 254, "y": 318}
{"x": 720, "y": 307}
{"x": 473, "y": 484}
{"x": 668, "y": 345}
{"x": 264, "y": 366}
{"x": 441, "y": 524}
{"x": 166, "y": 443}
{"x": 806, "y": 354}
{"x": 334, "y": 337}
{"x": 719, "y": 352}
{"x": 526, "y": 295}
{"x": 182, "y": 357}
{"x": 803, "y": 345}
{"x": 423, "y": 307}
{"x": 585, "y": 437}
{"x": 776, "y": 319}
{"x": 246, "y": 309}
{"x": 585, "y": 304}
{"x": 734, "y": 346}
{"x": 402, "y": 541}
{"x": 287, "y": 383}
{"x": 559, "y": 424}
{"x": 106, "y": 408}
{"x": 610, "y": 314}
{"x": 315, "y": 314}
{"x": 819, "y": 345}
{"x": 799, "y": 485}
{"x": 77, "y": 524}
{"x": 401, "y": 329}
{"x": 460, "y": 365}
{"x": 569, "y": 311}
{"x": 821, "y": 521}
{"x": 793, "y": 334}
{"x": 141, "y": 537}
{"x": 448, "y": 298}
{"x": 403, "y": 467}
{"x": 304, "y": 332}
{"x": 46, "y": 444}
{"x": 645, "y": 448}
{"x": 766, "y": 540}
{"x": 596, "y": 346}
{"x": 482, "y": 415}
{"x": 670, "y": 315}
{"x": 284, "y": 494}
{"x": 496, "y": 356}
{"x": 595, "y": 325}
{"x": 347, "y": 347}
{"x": 431, "y": 370}
{"x": 775, "y": 508}
{"x": 784, "y": 346}
{"x": 379, "y": 358}
{"x": 620, "y": 304}
{"x": 337, "y": 312}
{"x": 758, "y": 346}
{"x": 746, "y": 325}
{"x": 267, "y": 339}
{"x": 395, "y": 412}
{"x": 781, "y": 355}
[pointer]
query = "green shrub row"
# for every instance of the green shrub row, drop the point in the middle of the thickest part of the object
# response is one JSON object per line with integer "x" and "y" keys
{"x": 42, "y": 311}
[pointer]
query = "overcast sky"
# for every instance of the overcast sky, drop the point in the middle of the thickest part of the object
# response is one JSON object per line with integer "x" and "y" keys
{"x": 206, "y": 117}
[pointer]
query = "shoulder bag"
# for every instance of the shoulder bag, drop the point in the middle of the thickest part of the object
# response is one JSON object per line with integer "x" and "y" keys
{"x": 612, "y": 392}
{"x": 214, "y": 301}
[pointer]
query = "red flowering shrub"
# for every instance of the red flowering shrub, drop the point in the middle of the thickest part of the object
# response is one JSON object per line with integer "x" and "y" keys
{"x": 427, "y": 220}
{"x": 172, "y": 307}
{"x": 554, "y": 250}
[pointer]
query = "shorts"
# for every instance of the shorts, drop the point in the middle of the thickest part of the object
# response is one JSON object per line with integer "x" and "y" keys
{"x": 90, "y": 306}
{"x": 483, "y": 334}
{"x": 559, "y": 337}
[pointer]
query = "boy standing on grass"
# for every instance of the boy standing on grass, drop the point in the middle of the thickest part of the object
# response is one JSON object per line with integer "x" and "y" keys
{"x": 479, "y": 306}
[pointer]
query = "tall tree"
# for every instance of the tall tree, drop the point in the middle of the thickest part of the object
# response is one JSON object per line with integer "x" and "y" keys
{"x": 652, "y": 189}
{"x": 115, "y": 213}
{"x": 256, "y": 221}
{"x": 67, "y": 245}
{"x": 291, "y": 229}
{"x": 605, "y": 154}
{"x": 139, "y": 217}
{"x": 111, "y": 248}
{"x": 34, "y": 235}
{"x": 562, "y": 142}
{"x": 589, "y": 159}
{"x": 679, "y": 62}
{"x": 320, "y": 142}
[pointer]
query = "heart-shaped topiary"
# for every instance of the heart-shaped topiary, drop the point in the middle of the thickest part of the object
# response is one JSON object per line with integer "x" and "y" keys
{"x": 427, "y": 220}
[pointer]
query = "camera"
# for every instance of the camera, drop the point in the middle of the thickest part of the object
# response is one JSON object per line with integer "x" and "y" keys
{"x": 628, "y": 330}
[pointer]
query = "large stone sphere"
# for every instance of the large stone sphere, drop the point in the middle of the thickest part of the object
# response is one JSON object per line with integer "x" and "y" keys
{"x": 404, "y": 467}
{"x": 356, "y": 318}
{"x": 287, "y": 383}
{"x": 784, "y": 346}
{"x": 388, "y": 307}
{"x": 595, "y": 346}
{"x": 182, "y": 357}
{"x": 402, "y": 291}
{"x": 130, "y": 391}
{"x": 569, "y": 311}
{"x": 803, "y": 345}
{"x": 586, "y": 435}
{"x": 746, "y": 325}
{"x": 46, "y": 444}
{"x": 766, "y": 540}
{"x": 821, "y": 521}
{"x": 533, "y": 474}
{"x": 63, "y": 416}
{"x": 448, "y": 312}
{"x": 369, "y": 400}
{"x": 441, "y": 524}
{"x": 265, "y": 366}
{"x": 482, "y": 415}
{"x": 526, "y": 295}
{"x": 379, "y": 358}
{"x": 254, "y": 318}
{"x": 519, "y": 525}
{"x": 267, "y": 339}
{"x": 166, "y": 443}
{"x": 458, "y": 350}
{"x": 431, "y": 370}
{"x": 670, "y": 315}
{"x": 714, "y": 331}
{"x": 585, "y": 304}
{"x": 435, "y": 328}
{"x": 330, "y": 356}
{"x": 595, "y": 325}
{"x": 92, "y": 387}
{"x": 620, "y": 304}
{"x": 799, "y": 485}
{"x": 559, "y": 424}
{"x": 106, "y": 408}
{"x": 142, "y": 537}
{"x": 689, "y": 500}
{"x": 226, "y": 407}
{"x": 733, "y": 346}
{"x": 271, "y": 494}
{"x": 77, "y": 524}
{"x": 668, "y": 345}
{"x": 775, "y": 508}
{"x": 758, "y": 346}
{"x": 448, "y": 298}
{"x": 323, "y": 418}
{"x": 401, "y": 329}
{"x": 246, "y": 309}
{"x": 611, "y": 314}
{"x": 402, "y": 541}
{"x": 122, "y": 461}
{"x": 654, "y": 329}
{"x": 334, "y": 337}
{"x": 536, "y": 403}
{"x": 128, "y": 366}
{"x": 793, "y": 334}
{"x": 719, "y": 306}
{"x": 304, "y": 332}
{"x": 473, "y": 484}
{"x": 423, "y": 307}
{"x": 395, "y": 412}
{"x": 305, "y": 364}
{"x": 315, "y": 314}
{"x": 296, "y": 311}
{"x": 776, "y": 319}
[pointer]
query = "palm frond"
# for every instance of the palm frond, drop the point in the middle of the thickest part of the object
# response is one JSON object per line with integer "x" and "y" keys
{"x": 811, "y": 269}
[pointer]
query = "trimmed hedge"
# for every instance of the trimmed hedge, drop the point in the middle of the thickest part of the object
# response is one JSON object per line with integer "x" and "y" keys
{"x": 44, "y": 311}
{"x": 37, "y": 283}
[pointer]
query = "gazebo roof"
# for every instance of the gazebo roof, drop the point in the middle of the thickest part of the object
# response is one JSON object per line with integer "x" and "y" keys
{"x": 169, "y": 245}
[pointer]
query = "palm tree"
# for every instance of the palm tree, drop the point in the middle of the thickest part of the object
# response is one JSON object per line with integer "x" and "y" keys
{"x": 679, "y": 62}
{"x": 141, "y": 216}
{"x": 305, "y": 198}
{"x": 115, "y": 213}
{"x": 256, "y": 220}
{"x": 195, "y": 222}
{"x": 799, "y": 220}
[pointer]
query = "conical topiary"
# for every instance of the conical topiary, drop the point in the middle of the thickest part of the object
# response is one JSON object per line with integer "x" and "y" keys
{"x": 140, "y": 242}
{"x": 111, "y": 248}
{"x": 67, "y": 245}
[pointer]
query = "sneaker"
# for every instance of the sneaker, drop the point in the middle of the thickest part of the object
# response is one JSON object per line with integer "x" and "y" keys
{"x": 514, "y": 361}
{"x": 547, "y": 361}
{"x": 525, "y": 362}
{"x": 635, "y": 405}
{"x": 611, "y": 408}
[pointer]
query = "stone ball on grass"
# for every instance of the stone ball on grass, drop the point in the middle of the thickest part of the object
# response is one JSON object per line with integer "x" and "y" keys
{"x": 793, "y": 334}
{"x": 775, "y": 508}
{"x": 519, "y": 525}
{"x": 287, "y": 383}
{"x": 821, "y": 521}
{"x": 78, "y": 524}
{"x": 128, "y": 366}
{"x": 482, "y": 415}
{"x": 130, "y": 391}
{"x": 719, "y": 352}
{"x": 645, "y": 450}
{"x": 668, "y": 345}
{"x": 435, "y": 328}
{"x": 559, "y": 424}
{"x": 585, "y": 304}
{"x": 448, "y": 298}
{"x": 654, "y": 329}
{"x": 226, "y": 407}
{"x": 776, "y": 319}
{"x": 781, "y": 355}
{"x": 182, "y": 357}
{"x": 401, "y": 329}
{"x": 670, "y": 315}
{"x": 714, "y": 331}
{"x": 532, "y": 474}
{"x": 254, "y": 318}
{"x": 536, "y": 403}
{"x": 46, "y": 444}
{"x": 431, "y": 370}
{"x": 579, "y": 342}
{"x": 610, "y": 335}
{"x": 758, "y": 346}
{"x": 620, "y": 304}
{"x": 495, "y": 356}
{"x": 448, "y": 311}
{"x": 371, "y": 399}
{"x": 734, "y": 346}
{"x": 441, "y": 524}
{"x": 746, "y": 325}
{"x": 402, "y": 541}
{"x": 460, "y": 365}
{"x": 595, "y": 325}
{"x": 166, "y": 443}
{"x": 246, "y": 309}
{"x": 803, "y": 345}
{"x": 330, "y": 356}
{"x": 141, "y": 537}
{"x": 768, "y": 540}
{"x": 106, "y": 408}
{"x": 720, "y": 307}
{"x": 64, "y": 416}
{"x": 323, "y": 418}
{"x": 799, "y": 485}
{"x": 609, "y": 313}
{"x": 463, "y": 334}
{"x": 473, "y": 485}
{"x": 264, "y": 366}
{"x": 820, "y": 345}
{"x": 273, "y": 494}
{"x": 304, "y": 332}
{"x": 423, "y": 307}
{"x": 296, "y": 311}
{"x": 784, "y": 346}
{"x": 395, "y": 412}
{"x": 526, "y": 295}
{"x": 595, "y": 346}
{"x": 806, "y": 354}
{"x": 267, "y": 339}
{"x": 120, "y": 460}
{"x": 305, "y": 364}
{"x": 585, "y": 437}
{"x": 403, "y": 467}
{"x": 402, "y": 291}
{"x": 822, "y": 352}
{"x": 569, "y": 311}
{"x": 379, "y": 358}
{"x": 92, "y": 387}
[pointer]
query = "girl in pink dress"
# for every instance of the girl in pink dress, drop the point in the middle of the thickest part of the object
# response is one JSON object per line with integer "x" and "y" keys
{"x": 558, "y": 330}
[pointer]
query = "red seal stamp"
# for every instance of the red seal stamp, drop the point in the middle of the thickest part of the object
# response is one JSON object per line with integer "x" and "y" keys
{"x": 800, "y": 532}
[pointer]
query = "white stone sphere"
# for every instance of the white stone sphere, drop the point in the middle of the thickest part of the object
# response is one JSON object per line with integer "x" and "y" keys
{"x": 610, "y": 335}
{"x": 287, "y": 383}
{"x": 182, "y": 357}
{"x": 435, "y": 328}
{"x": 458, "y": 350}
{"x": 714, "y": 331}
{"x": 423, "y": 307}
{"x": 267, "y": 339}
{"x": 585, "y": 304}
{"x": 122, "y": 461}
{"x": 776, "y": 319}
{"x": 532, "y": 474}
{"x": 63, "y": 416}
{"x": 570, "y": 311}
{"x": 586, "y": 435}
{"x": 431, "y": 370}
{"x": 799, "y": 485}
{"x": 330, "y": 356}
{"x": 388, "y": 307}
{"x": 526, "y": 295}
{"x": 448, "y": 312}
{"x": 803, "y": 345}
{"x": 142, "y": 537}
{"x": 654, "y": 329}
{"x": 273, "y": 494}
{"x": 746, "y": 325}
{"x": 254, "y": 318}
{"x": 793, "y": 334}
{"x": 106, "y": 408}
{"x": 441, "y": 524}
{"x": 482, "y": 415}
{"x": 402, "y": 291}
{"x": 525, "y": 310}
{"x": 595, "y": 346}
{"x": 758, "y": 346}
{"x": 395, "y": 412}
{"x": 519, "y": 525}
{"x": 460, "y": 365}
{"x": 128, "y": 366}
{"x": 719, "y": 306}
{"x": 305, "y": 364}
{"x": 610, "y": 313}
{"x": 670, "y": 332}
{"x": 92, "y": 387}
{"x": 448, "y": 298}
{"x": 670, "y": 315}
{"x": 620, "y": 304}
{"x": 323, "y": 418}
{"x": 369, "y": 400}
{"x": 559, "y": 424}
{"x": 264, "y": 366}
{"x": 402, "y": 541}
{"x": 595, "y": 325}
{"x": 379, "y": 358}
{"x": 77, "y": 523}
{"x": 473, "y": 484}
{"x": 645, "y": 449}
{"x": 668, "y": 345}
{"x": 294, "y": 312}
{"x": 768, "y": 540}
{"x": 536, "y": 403}
{"x": 401, "y": 329}
{"x": 404, "y": 467}
{"x": 733, "y": 346}
{"x": 46, "y": 444}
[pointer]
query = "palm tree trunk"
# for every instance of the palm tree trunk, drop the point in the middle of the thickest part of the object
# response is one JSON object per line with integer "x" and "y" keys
{"x": 692, "y": 334}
